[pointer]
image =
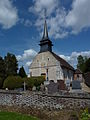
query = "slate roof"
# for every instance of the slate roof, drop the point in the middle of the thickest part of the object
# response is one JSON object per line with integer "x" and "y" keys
{"x": 78, "y": 71}
{"x": 63, "y": 62}
{"x": 87, "y": 78}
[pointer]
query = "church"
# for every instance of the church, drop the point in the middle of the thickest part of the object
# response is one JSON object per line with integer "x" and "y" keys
{"x": 47, "y": 63}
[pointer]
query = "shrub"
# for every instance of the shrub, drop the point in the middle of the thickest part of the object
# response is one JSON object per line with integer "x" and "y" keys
{"x": 38, "y": 80}
{"x": 85, "y": 115}
{"x": 29, "y": 82}
{"x": 34, "y": 81}
{"x": 13, "y": 82}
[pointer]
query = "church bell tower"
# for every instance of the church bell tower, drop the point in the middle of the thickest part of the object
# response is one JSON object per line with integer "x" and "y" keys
{"x": 45, "y": 43}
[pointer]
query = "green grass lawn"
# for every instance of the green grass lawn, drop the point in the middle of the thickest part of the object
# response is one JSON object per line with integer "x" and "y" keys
{"x": 15, "y": 116}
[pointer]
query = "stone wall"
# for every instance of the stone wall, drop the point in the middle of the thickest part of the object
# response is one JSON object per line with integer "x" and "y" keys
{"x": 46, "y": 60}
{"x": 43, "y": 100}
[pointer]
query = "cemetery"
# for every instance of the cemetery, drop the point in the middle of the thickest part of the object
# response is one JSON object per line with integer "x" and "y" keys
{"x": 55, "y": 89}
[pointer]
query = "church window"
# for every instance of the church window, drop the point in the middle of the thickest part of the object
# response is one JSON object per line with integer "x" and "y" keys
{"x": 48, "y": 59}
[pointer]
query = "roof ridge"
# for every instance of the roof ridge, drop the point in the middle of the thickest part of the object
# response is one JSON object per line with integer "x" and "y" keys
{"x": 78, "y": 70}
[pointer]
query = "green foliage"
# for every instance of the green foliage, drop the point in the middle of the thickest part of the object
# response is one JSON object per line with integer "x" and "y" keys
{"x": 22, "y": 72}
{"x": 8, "y": 66}
{"x": 2, "y": 71}
{"x": 38, "y": 80}
{"x": 87, "y": 65}
{"x": 85, "y": 115}
{"x": 1, "y": 82}
{"x": 83, "y": 64}
{"x": 12, "y": 82}
{"x": 11, "y": 64}
{"x": 2, "y": 68}
{"x": 34, "y": 81}
{"x": 80, "y": 60}
{"x": 15, "y": 116}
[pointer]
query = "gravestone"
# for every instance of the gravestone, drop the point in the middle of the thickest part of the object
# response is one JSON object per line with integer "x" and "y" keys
{"x": 34, "y": 88}
{"x": 67, "y": 82}
{"x": 61, "y": 85}
{"x": 42, "y": 87}
{"x": 46, "y": 83}
{"x": 76, "y": 84}
{"x": 52, "y": 87}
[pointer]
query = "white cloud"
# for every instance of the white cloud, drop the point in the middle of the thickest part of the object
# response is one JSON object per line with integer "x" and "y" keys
{"x": 56, "y": 24}
{"x": 67, "y": 58}
{"x": 8, "y": 14}
{"x": 72, "y": 59}
{"x": 83, "y": 53}
{"x": 55, "y": 21}
{"x": 28, "y": 63}
{"x": 61, "y": 22}
{"x": 79, "y": 16}
{"x": 26, "y": 58}
{"x": 27, "y": 55}
{"x": 40, "y": 5}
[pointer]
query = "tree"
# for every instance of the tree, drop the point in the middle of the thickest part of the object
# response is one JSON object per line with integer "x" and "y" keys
{"x": 81, "y": 63}
{"x": 22, "y": 72}
{"x": 11, "y": 64}
{"x": 2, "y": 68}
{"x": 87, "y": 66}
{"x": 2, "y": 71}
{"x": 1, "y": 82}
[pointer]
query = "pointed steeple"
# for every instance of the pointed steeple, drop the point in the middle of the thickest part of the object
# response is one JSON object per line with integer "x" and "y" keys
{"x": 45, "y": 43}
{"x": 45, "y": 33}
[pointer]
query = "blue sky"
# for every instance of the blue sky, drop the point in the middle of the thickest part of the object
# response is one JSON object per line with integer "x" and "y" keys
{"x": 21, "y": 27}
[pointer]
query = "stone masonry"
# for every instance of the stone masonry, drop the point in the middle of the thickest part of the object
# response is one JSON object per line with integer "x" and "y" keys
{"x": 42, "y": 100}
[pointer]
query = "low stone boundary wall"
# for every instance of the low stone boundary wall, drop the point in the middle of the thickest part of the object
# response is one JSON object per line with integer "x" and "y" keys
{"x": 44, "y": 100}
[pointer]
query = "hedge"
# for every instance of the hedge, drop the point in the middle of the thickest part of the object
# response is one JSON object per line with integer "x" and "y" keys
{"x": 13, "y": 82}
{"x": 34, "y": 81}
